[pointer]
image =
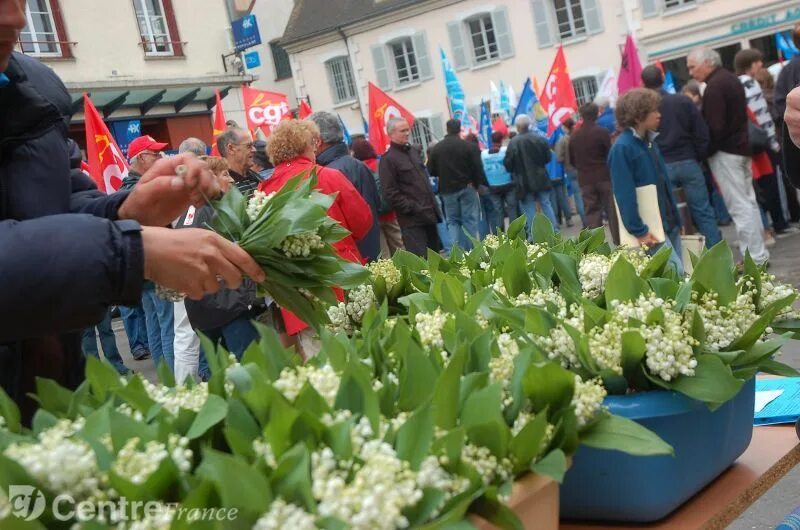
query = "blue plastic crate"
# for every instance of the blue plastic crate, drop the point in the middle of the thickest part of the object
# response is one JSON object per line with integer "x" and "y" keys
{"x": 613, "y": 486}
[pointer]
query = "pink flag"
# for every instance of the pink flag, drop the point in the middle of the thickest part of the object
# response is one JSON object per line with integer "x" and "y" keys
{"x": 630, "y": 73}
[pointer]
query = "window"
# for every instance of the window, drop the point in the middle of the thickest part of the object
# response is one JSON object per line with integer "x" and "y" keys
{"x": 570, "y": 19}
{"x": 421, "y": 133}
{"x": 585, "y": 89}
{"x": 484, "y": 40}
{"x": 676, "y": 4}
{"x": 43, "y": 36}
{"x": 341, "y": 79}
{"x": 405, "y": 61}
{"x": 283, "y": 70}
{"x": 157, "y": 27}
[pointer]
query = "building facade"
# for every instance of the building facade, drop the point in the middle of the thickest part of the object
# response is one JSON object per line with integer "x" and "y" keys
{"x": 336, "y": 50}
{"x": 150, "y": 66}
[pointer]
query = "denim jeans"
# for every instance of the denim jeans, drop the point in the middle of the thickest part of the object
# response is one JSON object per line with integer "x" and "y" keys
{"x": 558, "y": 198}
{"x": 462, "y": 210}
{"x": 577, "y": 196}
{"x": 504, "y": 204}
{"x": 673, "y": 241}
{"x": 441, "y": 229}
{"x": 134, "y": 321}
{"x": 236, "y": 336}
{"x": 527, "y": 204}
{"x": 487, "y": 214}
{"x": 160, "y": 327}
{"x": 688, "y": 174}
{"x": 107, "y": 340}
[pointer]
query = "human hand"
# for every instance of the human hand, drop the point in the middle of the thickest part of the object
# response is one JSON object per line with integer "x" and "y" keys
{"x": 191, "y": 260}
{"x": 162, "y": 195}
{"x": 648, "y": 240}
{"x": 792, "y": 115}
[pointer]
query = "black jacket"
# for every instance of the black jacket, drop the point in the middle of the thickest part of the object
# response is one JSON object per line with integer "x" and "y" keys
{"x": 527, "y": 155}
{"x": 63, "y": 260}
{"x": 457, "y": 163}
{"x": 788, "y": 79}
{"x": 725, "y": 112}
{"x": 791, "y": 158}
{"x": 683, "y": 134}
{"x": 338, "y": 157}
{"x": 407, "y": 187}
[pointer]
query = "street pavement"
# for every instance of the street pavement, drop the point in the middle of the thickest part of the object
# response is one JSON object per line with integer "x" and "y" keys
{"x": 776, "y": 503}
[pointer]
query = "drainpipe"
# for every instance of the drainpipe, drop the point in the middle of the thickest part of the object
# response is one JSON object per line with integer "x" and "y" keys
{"x": 353, "y": 68}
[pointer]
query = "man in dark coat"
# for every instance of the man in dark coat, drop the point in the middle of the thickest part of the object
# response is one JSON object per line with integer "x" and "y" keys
{"x": 788, "y": 79}
{"x": 527, "y": 156}
{"x": 70, "y": 251}
{"x": 408, "y": 189}
{"x": 335, "y": 154}
{"x": 791, "y": 137}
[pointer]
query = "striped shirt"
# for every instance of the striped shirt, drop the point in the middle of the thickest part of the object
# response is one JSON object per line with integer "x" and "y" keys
{"x": 247, "y": 183}
{"x": 757, "y": 103}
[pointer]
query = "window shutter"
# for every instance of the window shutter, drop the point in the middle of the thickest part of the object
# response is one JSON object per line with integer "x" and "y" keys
{"x": 423, "y": 59}
{"x": 542, "y": 23}
{"x": 651, "y": 8}
{"x": 505, "y": 43}
{"x": 457, "y": 44}
{"x": 381, "y": 73}
{"x": 593, "y": 16}
{"x": 332, "y": 83}
{"x": 437, "y": 127}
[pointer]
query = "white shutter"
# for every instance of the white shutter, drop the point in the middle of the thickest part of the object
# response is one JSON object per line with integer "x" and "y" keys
{"x": 423, "y": 59}
{"x": 541, "y": 22}
{"x": 454, "y": 29}
{"x": 593, "y": 16}
{"x": 381, "y": 73}
{"x": 505, "y": 44}
{"x": 651, "y": 8}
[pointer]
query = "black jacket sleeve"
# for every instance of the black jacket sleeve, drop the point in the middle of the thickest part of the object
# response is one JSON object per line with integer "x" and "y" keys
{"x": 700, "y": 136}
{"x": 791, "y": 158}
{"x": 61, "y": 272}
{"x": 86, "y": 198}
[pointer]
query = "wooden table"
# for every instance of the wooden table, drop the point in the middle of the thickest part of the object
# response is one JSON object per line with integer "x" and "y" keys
{"x": 773, "y": 451}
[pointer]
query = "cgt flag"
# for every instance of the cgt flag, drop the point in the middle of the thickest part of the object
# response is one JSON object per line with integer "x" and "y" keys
{"x": 558, "y": 96}
{"x": 106, "y": 164}
{"x": 219, "y": 123}
{"x": 304, "y": 111}
{"x": 382, "y": 108}
{"x": 264, "y": 109}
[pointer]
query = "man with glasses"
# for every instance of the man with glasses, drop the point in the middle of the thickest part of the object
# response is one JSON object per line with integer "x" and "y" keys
{"x": 237, "y": 147}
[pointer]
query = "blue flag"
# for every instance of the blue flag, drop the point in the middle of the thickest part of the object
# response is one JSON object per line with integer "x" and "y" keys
{"x": 785, "y": 46}
{"x": 505, "y": 102}
{"x": 455, "y": 94}
{"x": 529, "y": 104}
{"x": 486, "y": 125}
{"x": 366, "y": 127}
{"x": 347, "y": 138}
{"x": 669, "y": 83}
{"x": 554, "y": 169}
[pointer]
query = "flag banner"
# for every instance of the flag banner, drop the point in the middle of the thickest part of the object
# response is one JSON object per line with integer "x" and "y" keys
{"x": 486, "y": 125}
{"x": 529, "y": 104}
{"x": 558, "y": 96}
{"x": 456, "y": 101}
{"x": 106, "y": 164}
{"x": 505, "y": 101}
{"x": 264, "y": 109}
{"x": 219, "y": 123}
{"x": 554, "y": 168}
{"x": 512, "y": 99}
{"x": 669, "y": 83}
{"x": 785, "y": 46}
{"x": 495, "y": 96}
{"x": 382, "y": 108}
{"x": 500, "y": 126}
{"x": 608, "y": 88}
{"x": 630, "y": 73}
{"x": 304, "y": 111}
{"x": 348, "y": 139}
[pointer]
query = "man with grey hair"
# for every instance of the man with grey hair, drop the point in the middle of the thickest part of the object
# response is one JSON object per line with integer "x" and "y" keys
{"x": 725, "y": 112}
{"x": 527, "y": 156}
{"x": 237, "y": 147}
{"x": 407, "y": 188}
{"x": 332, "y": 152}
{"x": 193, "y": 145}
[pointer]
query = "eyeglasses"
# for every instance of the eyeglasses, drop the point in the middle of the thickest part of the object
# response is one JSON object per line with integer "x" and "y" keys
{"x": 249, "y": 145}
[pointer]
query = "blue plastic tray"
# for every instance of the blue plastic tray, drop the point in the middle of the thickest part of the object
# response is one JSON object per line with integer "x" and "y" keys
{"x": 613, "y": 486}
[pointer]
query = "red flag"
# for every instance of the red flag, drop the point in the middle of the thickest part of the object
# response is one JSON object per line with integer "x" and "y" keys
{"x": 219, "y": 123}
{"x": 106, "y": 164}
{"x": 499, "y": 125}
{"x": 558, "y": 96}
{"x": 630, "y": 73}
{"x": 381, "y": 109}
{"x": 305, "y": 110}
{"x": 658, "y": 64}
{"x": 264, "y": 109}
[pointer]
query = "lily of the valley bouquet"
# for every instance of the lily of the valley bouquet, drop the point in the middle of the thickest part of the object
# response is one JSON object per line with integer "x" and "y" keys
{"x": 289, "y": 234}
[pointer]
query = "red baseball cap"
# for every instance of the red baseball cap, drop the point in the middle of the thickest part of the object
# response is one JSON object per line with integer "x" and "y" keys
{"x": 144, "y": 143}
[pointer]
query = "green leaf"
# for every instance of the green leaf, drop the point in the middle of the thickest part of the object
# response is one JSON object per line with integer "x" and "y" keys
{"x": 548, "y": 386}
{"x": 515, "y": 273}
{"x": 623, "y": 283}
{"x": 633, "y": 349}
{"x": 417, "y": 377}
{"x": 712, "y": 383}
{"x": 553, "y": 465}
{"x": 211, "y": 413}
{"x": 422, "y": 511}
{"x": 490, "y": 508}
{"x": 715, "y": 272}
{"x": 102, "y": 377}
{"x": 664, "y": 288}
{"x": 238, "y": 484}
{"x": 292, "y": 478}
{"x": 762, "y": 350}
{"x": 415, "y": 436}
{"x": 567, "y": 270}
{"x": 759, "y": 327}
{"x": 446, "y": 392}
{"x": 616, "y": 433}
{"x": 543, "y": 230}
{"x": 53, "y": 397}
{"x": 10, "y": 412}
{"x": 771, "y": 366}
{"x": 356, "y": 394}
{"x": 482, "y": 405}
{"x": 752, "y": 270}
{"x": 516, "y": 228}
{"x": 655, "y": 267}
{"x": 165, "y": 375}
{"x": 136, "y": 395}
{"x": 527, "y": 444}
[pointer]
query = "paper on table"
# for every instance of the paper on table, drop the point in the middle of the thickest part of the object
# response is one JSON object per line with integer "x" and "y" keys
{"x": 647, "y": 201}
{"x": 764, "y": 397}
{"x": 785, "y": 408}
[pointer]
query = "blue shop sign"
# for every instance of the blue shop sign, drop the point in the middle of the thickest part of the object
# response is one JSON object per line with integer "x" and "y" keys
{"x": 125, "y": 132}
{"x": 245, "y": 32}
{"x": 252, "y": 60}
{"x": 766, "y": 21}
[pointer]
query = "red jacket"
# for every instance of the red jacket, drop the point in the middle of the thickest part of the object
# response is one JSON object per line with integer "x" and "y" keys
{"x": 349, "y": 209}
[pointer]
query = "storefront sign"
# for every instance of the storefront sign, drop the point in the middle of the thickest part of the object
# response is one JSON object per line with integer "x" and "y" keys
{"x": 766, "y": 21}
{"x": 245, "y": 33}
{"x": 125, "y": 132}
{"x": 252, "y": 60}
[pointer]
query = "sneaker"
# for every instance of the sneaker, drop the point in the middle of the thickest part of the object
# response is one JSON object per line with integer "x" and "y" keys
{"x": 141, "y": 355}
{"x": 788, "y": 231}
